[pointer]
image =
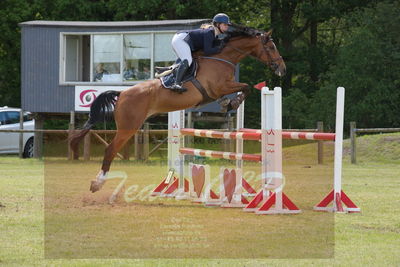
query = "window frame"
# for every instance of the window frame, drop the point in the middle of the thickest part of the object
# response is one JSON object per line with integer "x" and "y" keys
{"x": 62, "y": 55}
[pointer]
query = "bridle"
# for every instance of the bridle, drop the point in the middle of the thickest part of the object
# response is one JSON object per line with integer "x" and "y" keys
{"x": 265, "y": 39}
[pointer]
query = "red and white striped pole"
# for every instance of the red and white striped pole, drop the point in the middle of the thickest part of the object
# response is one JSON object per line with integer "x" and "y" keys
{"x": 253, "y": 134}
{"x": 219, "y": 154}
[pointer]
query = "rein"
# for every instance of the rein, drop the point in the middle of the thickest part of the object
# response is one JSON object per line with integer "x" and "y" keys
{"x": 220, "y": 59}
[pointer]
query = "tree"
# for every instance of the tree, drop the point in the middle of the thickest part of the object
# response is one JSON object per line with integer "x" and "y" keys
{"x": 11, "y": 13}
{"x": 368, "y": 66}
{"x": 307, "y": 34}
{"x": 317, "y": 39}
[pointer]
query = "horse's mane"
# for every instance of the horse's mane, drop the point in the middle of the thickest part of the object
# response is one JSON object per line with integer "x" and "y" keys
{"x": 236, "y": 30}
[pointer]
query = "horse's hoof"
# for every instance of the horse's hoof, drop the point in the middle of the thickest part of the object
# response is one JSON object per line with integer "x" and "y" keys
{"x": 224, "y": 102}
{"x": 95, "y": 186}
{"x": 235, "y": 104}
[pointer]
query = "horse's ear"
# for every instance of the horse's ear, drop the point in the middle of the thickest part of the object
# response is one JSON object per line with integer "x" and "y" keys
{"x": 269, "y": 33}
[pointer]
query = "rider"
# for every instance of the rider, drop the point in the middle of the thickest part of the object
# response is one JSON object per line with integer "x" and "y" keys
{"x": 188, "y": 41}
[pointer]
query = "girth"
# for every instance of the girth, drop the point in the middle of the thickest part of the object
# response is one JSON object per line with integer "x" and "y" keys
{"x": 206, "y": 98}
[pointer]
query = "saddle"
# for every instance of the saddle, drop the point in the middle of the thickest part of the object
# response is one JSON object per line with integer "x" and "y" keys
{"x": 167, "y": 75}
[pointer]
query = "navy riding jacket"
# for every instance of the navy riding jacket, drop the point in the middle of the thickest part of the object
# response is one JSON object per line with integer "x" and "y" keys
{"x": 203, "y": 39}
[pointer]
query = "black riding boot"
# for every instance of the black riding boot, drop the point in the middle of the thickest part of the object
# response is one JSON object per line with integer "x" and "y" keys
{"x": 180, "y": 72}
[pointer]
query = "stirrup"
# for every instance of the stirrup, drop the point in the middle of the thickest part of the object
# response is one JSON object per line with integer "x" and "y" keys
{"x": 160, "y": 70}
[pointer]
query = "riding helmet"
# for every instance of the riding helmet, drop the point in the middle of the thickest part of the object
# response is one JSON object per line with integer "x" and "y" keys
{"x": 221, "y": 18}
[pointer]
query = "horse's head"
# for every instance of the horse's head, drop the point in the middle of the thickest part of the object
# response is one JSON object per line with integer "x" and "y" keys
{"x": 260, "y": 45}
{"x": 267, "y": 52}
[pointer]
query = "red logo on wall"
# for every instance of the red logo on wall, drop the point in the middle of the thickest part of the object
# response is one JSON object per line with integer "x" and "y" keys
{"x": 87, "y": 97}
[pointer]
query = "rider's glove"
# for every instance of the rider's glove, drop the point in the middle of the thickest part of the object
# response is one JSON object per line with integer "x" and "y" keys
{"x": 223, "y": 37}
{"x": 221, "y": 45}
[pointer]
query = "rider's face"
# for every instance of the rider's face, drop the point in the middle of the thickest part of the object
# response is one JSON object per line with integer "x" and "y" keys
{"x": 223, "y": 27}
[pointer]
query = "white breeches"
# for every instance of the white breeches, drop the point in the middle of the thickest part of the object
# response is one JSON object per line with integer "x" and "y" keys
{"x": 181, "y": 48}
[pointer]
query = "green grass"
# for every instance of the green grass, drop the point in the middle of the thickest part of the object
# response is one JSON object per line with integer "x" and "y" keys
{"x": 376, "y": 148}
{"x": 371, "y": 238}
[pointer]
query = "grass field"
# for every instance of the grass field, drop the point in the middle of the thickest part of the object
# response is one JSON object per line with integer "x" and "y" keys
{"x": 48, "y": 217}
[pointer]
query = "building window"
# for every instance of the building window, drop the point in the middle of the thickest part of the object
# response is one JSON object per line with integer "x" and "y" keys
{"x": 114, "y": 58}
{"x": 77, "y": 58}
{"x": 137, "y": 57}
{"x": 163, "y": 54}
{"x": 107, "y": 58}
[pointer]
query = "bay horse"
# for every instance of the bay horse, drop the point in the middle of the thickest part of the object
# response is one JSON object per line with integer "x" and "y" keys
{"x": 216, "y": 74}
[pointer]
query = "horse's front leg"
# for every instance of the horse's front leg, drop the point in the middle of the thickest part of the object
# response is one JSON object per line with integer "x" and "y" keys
{"x": 235, "y": 102}
{"x": 231, "y": 104}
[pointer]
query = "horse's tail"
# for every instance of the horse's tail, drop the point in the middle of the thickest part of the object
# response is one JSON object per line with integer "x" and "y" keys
{"x": 101, "y": 107}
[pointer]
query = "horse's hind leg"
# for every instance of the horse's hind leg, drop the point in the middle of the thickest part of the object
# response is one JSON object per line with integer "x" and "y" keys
{"x": 111, "y": 151}
{"x": 127, "y": 126}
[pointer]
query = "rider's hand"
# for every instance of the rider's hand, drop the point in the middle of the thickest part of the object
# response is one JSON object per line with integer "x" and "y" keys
{"x": 221, "y": 45}
{"x": 222, "y": 37}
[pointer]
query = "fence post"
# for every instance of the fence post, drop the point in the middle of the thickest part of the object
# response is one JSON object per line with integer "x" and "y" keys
{"x": 86, "y": 146}
{"x": 353, "y": 135}
{"x": 320, "y": 127}
{"x": 146, "y": 141}
{"x": 21, "y": 135}
{"x": 231, "y": 126}
{"x": 38, "y": 137}
{"x": 138, "y": 145}
{"x": 226, "y": 144}
{"x": 71, "y": 127}
{"x": 126, "y": 152}
{"x": 190, "y": 124}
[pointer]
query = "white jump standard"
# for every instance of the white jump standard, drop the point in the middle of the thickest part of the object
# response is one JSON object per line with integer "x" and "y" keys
{"x": 337, "y": 197}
